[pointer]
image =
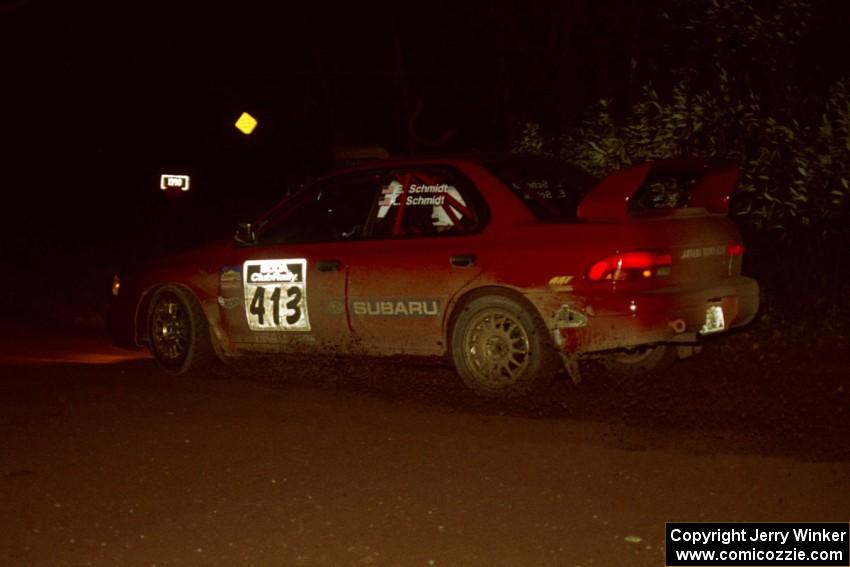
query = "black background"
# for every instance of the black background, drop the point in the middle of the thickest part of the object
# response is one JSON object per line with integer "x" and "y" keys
{"x": 98, "y": 98}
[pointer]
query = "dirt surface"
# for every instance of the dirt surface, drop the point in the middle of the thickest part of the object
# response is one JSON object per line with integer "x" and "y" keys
{"x": 105, "y": 461}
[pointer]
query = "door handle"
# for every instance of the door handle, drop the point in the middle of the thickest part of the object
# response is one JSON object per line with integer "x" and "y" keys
{"x": 328, "y": 265}
{"x": 462, "y": 260}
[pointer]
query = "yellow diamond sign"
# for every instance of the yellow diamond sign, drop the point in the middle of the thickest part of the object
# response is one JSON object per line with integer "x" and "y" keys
{"x": 246, "y": 123}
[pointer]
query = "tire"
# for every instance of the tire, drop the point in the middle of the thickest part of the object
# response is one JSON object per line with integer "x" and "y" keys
{"x": 639, "y": 361}
{"x": 502, "y": 350}
{"x": 178, "y": 332}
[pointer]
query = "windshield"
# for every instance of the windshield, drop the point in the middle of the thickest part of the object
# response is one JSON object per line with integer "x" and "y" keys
{"x": 551, "y": 189}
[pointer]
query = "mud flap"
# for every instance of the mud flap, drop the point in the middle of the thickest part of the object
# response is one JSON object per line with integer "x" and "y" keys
{"x": 570, "y": 361}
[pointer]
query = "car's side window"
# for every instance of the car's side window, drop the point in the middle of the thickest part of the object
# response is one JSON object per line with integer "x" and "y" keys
{"x": 336, "y": 210}
{"x": 426, "y": 201}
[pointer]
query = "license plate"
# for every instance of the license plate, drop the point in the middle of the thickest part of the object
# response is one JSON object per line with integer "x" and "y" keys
{"x": 714, "y": 321}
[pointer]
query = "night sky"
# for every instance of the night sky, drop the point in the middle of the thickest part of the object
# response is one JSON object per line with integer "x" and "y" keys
{"x": 99, "y": 98}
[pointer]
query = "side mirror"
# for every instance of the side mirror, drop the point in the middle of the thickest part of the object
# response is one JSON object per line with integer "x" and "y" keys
{"x": 245, "y": 234}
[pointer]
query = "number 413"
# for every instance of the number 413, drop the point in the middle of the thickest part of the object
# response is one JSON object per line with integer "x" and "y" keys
{"x": 258, "y": 305}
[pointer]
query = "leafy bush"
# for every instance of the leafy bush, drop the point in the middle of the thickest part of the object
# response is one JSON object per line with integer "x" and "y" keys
{"x": 794, "y": 175}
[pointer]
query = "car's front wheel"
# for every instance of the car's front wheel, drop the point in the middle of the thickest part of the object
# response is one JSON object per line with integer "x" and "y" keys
{"x": 500, "y": 349}
{"x": 178, "y": 331}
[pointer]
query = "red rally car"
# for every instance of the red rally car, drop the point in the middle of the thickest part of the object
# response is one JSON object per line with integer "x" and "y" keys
{"x": 513, "y": 267}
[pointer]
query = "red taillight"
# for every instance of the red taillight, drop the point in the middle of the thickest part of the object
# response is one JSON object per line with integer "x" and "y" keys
{"x": 735, "y": 249}
{"x": 631, "y": 266}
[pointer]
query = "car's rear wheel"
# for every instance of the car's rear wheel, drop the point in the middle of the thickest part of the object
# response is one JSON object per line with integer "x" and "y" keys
{"x": 178, "y": 332}
{"x": 638, "y": 361}
{"x": 500, "y": 349}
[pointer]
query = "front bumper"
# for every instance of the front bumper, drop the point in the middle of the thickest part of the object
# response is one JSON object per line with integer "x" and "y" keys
{"x": 669, "y": 315}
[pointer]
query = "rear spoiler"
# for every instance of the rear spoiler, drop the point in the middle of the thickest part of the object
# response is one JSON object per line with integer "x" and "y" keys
{"x": 609, "y": 200}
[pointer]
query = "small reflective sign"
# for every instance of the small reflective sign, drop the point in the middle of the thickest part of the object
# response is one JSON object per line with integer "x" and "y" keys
{"x": 246, "y": 123}
{"x": 167, "y": 181}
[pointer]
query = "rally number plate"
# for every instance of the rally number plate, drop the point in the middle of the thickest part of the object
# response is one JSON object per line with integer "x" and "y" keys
{"x": 276, "y": 295}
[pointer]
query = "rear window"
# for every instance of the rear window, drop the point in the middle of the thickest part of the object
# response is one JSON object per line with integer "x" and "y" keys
{"x": 663, "y": 191}
{"x": 551, "y": 189}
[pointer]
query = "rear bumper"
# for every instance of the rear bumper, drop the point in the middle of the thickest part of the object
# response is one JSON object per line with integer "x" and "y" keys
{"x": 670, "y": 315}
